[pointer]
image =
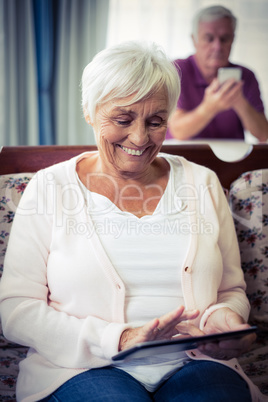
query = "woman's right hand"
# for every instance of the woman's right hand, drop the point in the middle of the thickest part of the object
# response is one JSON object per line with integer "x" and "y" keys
{"x": 165, "y": 327}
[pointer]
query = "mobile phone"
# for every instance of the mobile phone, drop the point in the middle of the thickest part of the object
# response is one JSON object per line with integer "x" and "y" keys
{"x": 225, "y": 73}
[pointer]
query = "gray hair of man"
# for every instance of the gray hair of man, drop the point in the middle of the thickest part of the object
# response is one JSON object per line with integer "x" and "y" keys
{"x": 209, "y": 14}
{"x": 136, "y": 69}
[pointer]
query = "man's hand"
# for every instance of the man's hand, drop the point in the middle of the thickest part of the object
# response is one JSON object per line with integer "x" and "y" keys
{"x": 219, "y": 98}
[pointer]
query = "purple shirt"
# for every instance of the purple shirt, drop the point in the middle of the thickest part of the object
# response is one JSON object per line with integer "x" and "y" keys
{"x": 226, "y": 124}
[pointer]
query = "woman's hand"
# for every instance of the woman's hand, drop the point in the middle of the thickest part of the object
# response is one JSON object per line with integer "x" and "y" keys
{"x": 165, "y": 327}
{"x": 224, "y": 320}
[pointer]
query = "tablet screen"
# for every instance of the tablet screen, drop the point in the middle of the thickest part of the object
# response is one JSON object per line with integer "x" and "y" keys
{"x": 177, "y": 344}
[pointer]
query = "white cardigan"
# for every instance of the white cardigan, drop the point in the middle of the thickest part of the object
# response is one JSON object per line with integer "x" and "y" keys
{"x": 73, "y": 322}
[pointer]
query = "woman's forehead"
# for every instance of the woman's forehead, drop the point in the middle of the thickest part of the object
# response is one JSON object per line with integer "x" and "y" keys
{"x": 158, "y": 100}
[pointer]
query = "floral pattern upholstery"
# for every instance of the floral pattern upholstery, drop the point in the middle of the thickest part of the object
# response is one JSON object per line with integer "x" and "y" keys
{"x": 11, "y": 190}
{"x": 248, "y": 198}
{"x": 249, "y": 203}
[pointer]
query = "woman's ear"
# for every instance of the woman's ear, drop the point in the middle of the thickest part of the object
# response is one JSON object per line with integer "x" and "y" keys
{"x": 88, "y": 120}
{"x": 86, "y": 115}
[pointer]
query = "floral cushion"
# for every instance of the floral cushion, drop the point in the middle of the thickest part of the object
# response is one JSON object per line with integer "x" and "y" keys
{"x": 9, "y": 368}
{"x": 249, "y": 204}
{"x": 11, "y": 190}
{"x": 255, "y": 363}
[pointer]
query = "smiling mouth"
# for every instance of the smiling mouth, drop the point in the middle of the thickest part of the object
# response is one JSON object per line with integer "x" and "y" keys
{"x": 135, "y": 152}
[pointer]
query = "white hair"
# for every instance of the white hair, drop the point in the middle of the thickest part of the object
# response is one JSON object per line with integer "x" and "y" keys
{"x": 212, "y": 13}
{"x": 130, "y": 68}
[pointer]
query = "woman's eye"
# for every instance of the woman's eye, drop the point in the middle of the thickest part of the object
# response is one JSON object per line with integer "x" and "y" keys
{"x": 156, "y": 122}
{"x": 123, "y": 122}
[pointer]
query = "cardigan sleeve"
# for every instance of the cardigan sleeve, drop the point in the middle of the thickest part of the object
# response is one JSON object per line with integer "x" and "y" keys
{"x": 231, "y": 290}
{"x": 27, "y": 318}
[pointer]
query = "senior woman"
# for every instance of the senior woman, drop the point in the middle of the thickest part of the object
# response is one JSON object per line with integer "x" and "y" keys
{"x": 121, "y": 246}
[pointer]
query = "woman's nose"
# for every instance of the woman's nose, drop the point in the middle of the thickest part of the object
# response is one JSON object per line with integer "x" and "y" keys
{"x": 139, "y": 134}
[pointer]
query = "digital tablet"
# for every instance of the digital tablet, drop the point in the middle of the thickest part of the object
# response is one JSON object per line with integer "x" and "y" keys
{"x": 177, "y": 344}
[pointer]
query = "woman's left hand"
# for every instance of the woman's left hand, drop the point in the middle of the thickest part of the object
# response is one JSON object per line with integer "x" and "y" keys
{"x": 224, "y": 320}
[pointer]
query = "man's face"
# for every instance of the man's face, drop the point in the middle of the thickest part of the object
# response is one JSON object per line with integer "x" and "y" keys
{"x": 213, "y": 45}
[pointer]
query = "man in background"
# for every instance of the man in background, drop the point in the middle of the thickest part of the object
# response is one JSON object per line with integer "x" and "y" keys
{"x": 207, "y": 108}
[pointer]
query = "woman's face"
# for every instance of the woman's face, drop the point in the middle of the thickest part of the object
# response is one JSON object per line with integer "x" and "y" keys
{"x": 130, "y": 137}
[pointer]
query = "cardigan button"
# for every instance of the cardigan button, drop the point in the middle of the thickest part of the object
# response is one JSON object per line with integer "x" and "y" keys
{"x": 188, "y": 270}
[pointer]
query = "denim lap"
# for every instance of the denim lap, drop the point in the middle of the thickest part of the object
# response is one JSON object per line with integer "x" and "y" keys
{"x": 198, "y": 381}
{"x": 203, "y": 381}
{"x": 107, "y": 384}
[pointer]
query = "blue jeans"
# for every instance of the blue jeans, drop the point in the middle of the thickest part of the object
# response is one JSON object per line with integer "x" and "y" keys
{"x": 198, "y": 381}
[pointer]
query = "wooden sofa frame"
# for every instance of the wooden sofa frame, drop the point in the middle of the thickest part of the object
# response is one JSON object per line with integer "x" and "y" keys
{"x": 32, "y": 158}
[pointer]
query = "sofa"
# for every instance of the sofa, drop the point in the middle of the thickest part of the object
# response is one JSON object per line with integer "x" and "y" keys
{"x": 245, "y": 183}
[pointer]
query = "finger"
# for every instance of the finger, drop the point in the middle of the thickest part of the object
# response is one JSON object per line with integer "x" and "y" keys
{"x": 183, "y": 326}
{"x": 171, "y": 318}
{"x": 149, "y": 328}
{"x": 215, "y": 85}
{"x": 235, "y": 322}
{"x": 230, "y": 83}
{"x": 238, "y": 344}
{"x": 190, "y": 314}
{"x": 188, "y": 329}
{"x": 228, "y": 348}
{"x": 165, "y": 326}
{"x": 231, "y": 90}
{"x": 213, "y": 350}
